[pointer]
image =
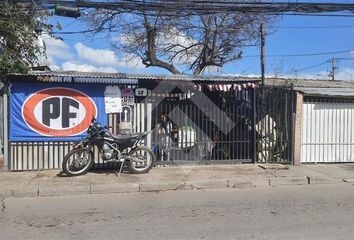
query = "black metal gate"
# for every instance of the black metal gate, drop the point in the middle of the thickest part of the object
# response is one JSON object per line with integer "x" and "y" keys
{"x": 223, "y": 127}
{"x": 200, "y": 128}
{"x": 274, "y": 124}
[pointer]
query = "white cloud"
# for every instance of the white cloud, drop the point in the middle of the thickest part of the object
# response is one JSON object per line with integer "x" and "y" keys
{"x": 54, "y": 67}
{"x": 180, "y": 40}
{"x": 130, "y": 61}
{"x": 82, "y": 67}
{"x": 166, "y": 39}
{"x": 116, "y": 39}
{"x": 102, "y": 57}
{"x": 85, "y": 58}
{"x": 56, "y": 49}
{"x": 345, "y": 74}
{"x": 106, "y": 57}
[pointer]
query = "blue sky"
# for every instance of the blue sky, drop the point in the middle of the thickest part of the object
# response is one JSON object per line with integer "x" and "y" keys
{"x": 79, "y": 52}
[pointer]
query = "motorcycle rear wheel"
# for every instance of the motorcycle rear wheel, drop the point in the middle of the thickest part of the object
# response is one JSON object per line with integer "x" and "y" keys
{"x": 77, "y": 162}
{"x": 143, "y": 153}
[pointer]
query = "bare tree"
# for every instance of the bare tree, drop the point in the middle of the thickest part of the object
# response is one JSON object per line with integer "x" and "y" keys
{"x": 180, "y": 41}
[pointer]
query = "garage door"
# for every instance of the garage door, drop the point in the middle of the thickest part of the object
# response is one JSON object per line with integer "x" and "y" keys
{"x": 327, "y": 130}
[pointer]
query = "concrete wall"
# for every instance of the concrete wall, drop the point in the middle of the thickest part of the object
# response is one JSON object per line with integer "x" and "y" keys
{"x": 298, "y": 126}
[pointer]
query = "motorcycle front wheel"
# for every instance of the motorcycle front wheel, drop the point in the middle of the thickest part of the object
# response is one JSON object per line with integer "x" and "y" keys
{"x": 77, "y": 162}
{"x": 147, "y": 157}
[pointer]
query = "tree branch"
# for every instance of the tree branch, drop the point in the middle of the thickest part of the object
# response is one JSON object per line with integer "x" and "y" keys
{"x": 151, "y": 58}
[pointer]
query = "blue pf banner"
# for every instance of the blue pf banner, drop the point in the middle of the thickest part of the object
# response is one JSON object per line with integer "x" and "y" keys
{"x": 54, "y": 112}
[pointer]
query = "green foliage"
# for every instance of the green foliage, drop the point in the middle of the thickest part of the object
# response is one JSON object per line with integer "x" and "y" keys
{"x": 8, "y": 65}
{"x": 18, "y": 25}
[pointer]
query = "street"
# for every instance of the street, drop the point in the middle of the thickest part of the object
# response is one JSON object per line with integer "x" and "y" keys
{"x": 297, "y": 212}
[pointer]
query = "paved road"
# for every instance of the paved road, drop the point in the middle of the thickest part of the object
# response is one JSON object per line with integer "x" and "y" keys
{"x": 306, "y": 212}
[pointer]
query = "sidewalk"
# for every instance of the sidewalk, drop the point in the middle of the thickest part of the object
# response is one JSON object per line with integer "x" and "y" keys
{"x": 52, "y": 183}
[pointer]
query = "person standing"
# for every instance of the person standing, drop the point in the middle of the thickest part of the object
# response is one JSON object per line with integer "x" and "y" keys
{"x": 164, "y": 129}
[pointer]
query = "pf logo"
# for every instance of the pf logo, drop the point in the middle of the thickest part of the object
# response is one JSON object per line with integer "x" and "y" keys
{"x": 58, "y": 112}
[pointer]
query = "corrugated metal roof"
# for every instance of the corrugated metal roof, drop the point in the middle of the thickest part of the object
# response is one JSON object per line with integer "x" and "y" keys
{"x": 330, "y": 92}
{"x": 125, "y": 78}
{"x": 309, "y": 83}
{"x": 76, "y": 77}
{"x": 96, "y": 77}
{"x": 105, "y": 80}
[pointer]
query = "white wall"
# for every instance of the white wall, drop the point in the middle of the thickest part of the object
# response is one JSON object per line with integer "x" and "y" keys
{"x": 327, "y": 132}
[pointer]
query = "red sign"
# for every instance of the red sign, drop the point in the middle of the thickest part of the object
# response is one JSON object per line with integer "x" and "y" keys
{"x": 58, "y": 112}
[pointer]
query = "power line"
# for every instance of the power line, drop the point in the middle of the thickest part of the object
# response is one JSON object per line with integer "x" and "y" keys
{"x": 308, "y": 68}
{"x": 351, "y": 59}
{"x": 312, "y": 15}
{"x": 233, "y": 28}
{"x": 315, "y": 27}
{"x": 94, "y": 29}
{"x": 83, "y": 31}
{"x": 333, "y": 66}
{"x": 301, "y": 55}
{"x": 69, "y": 24}
{"x": 197, "y": 7}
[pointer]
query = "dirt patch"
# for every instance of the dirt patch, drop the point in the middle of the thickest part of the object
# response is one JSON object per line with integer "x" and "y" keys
{"x": 45, "y": 174}
{"x": 274, "y": 166}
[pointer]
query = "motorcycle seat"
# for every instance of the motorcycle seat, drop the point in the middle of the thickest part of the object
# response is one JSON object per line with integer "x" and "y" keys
{"x": 124, "y": 137}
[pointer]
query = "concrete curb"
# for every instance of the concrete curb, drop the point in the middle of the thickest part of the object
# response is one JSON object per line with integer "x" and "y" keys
{"x": 44, "y": 191}
{"x": 19, "y": 192}
{"x": 207, "y": 184}
{"x": 316, "y": 180}
{"x": 157, "y": 186}
{"x": 275, "y": 182}
{"x": 238, "y": 183}
{"x": 248, "y": 183}
{"x": 113, "y": 188}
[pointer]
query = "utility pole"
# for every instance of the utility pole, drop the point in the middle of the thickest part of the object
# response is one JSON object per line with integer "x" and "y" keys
{"x": 334, "y": 67}
{"x": 261, "y": 30}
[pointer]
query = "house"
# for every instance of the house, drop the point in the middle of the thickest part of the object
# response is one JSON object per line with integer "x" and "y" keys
{"x": 212, "y": 120}
{"x": 47, "y": 111}
{"x": 324, "y": 131}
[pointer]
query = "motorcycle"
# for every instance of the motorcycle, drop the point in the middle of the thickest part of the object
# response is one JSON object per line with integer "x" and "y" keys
{"x": 111, "y": 147}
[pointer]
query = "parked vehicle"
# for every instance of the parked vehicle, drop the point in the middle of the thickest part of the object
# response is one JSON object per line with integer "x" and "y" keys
{"x": 112, "y": 148}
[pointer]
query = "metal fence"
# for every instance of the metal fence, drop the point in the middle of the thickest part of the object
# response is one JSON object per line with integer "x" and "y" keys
{"x": 226, "y": 127}
{"x": 49, "y": 155}
{"x": 1, "y": 124}
{"x": 274, "y": 124}
{"x": 38, "y": 155}
{"x": 202, "y": 127}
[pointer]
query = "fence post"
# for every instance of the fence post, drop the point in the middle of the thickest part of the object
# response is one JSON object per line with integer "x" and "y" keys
{"x": 297, "y": 129}
{"x": 254, "y": 107}
{"x": 6, "y": 91}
